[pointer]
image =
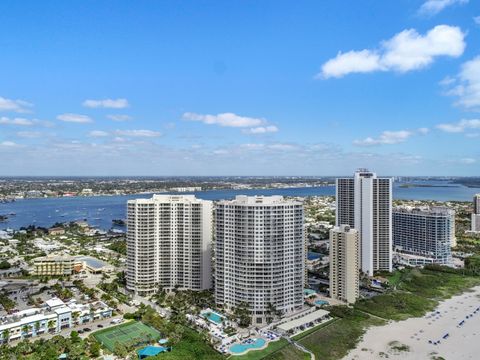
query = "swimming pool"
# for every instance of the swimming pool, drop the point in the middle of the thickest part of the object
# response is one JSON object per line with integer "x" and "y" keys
{"x": 212, "y": 316}
{"x": 241, "y": 348}
{"x": 321, "y": 302}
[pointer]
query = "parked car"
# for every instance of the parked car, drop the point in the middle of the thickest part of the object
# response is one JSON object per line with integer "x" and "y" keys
{"x": 100, "y": 325}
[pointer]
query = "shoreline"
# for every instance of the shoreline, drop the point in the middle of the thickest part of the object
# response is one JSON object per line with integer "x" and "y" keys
{"x": 414, "y": 338}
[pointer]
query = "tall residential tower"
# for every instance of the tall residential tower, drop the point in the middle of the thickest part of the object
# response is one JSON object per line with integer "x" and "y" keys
{"x": 344, "y": 264}
{"x": 365, "y": 203}
{"x": 169, "y": 243}
{"x": 476, "y": 213}
{"x": 259, "y": 255}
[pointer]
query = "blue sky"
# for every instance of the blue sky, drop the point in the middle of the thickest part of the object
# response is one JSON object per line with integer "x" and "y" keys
{"x": 239, "y": 87}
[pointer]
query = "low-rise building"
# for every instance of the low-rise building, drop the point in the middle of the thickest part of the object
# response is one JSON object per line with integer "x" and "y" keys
{"x": 53, "y": 266}
{"x": 56, "y": 231}
{"x": 54, "y": 316}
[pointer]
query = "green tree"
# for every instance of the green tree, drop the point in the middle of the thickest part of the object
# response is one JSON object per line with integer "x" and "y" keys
{"x": 50, "y": 325}
{"x": 37, "y": 326}
{"x": 25, "y": 329}
{"x": 6, "y": 335}
{"x": 120, "y": 350}
{"x": 242, "y": 315}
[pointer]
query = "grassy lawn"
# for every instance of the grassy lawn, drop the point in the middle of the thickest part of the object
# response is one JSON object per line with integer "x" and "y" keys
{"x": 262, "y": 354}
{"x": 335, "y": 340}
{"x": 289, "y": 352}
{"x": 133, "y": 332}
{"x": 192, "y": 347}
{"x": 312, "y": 330}
{"x": 396, "y": 306}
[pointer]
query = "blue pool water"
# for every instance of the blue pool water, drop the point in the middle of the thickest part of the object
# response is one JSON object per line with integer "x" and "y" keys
{"x": 321, "y": 302}
{"x": 240, "y": 348}
{"x": 313, "y": 255}
{"x": 213, "y": 317}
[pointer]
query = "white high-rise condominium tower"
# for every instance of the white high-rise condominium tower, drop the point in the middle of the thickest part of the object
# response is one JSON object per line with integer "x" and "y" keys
{"x": 476, "y": 213}
{"x": 365, "y": 203}
{"x": 259, "y": 255}
{"x": 344, "y": 264}
{"x": 169, "y": 243}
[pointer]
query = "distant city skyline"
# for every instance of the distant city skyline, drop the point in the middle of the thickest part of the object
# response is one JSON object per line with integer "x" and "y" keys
{"x": 237, "y": 88}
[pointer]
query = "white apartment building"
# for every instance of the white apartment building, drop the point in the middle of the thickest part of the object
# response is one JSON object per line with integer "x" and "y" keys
{"x": 259, "y": 255}
{"x": 344, "y": 264}
{"x": 169, "y": 243}
{"x": 423, "y": 235}
{"x": 52, "y": 317}
{"x": 365, "y": 203}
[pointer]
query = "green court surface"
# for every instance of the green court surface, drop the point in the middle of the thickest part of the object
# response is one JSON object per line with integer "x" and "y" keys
{"x": 133, "y": 332}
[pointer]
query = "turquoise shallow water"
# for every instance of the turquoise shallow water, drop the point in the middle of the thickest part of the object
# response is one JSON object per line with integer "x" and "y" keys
{"x": 214, "y": 317}
{"x": 100, "y": 210}
{"x": 240, "y": 348}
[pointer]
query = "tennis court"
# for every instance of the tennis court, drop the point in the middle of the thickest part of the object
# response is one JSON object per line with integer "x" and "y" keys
{"x": 134, "y": 332}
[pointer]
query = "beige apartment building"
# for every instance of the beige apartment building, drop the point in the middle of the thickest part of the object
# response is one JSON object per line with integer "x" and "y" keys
{"x": 344, "y": 264}
{"x": 169, "y": 241}
{"x": 53, "y": 266}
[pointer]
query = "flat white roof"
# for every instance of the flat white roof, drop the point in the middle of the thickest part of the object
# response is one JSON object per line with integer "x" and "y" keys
{"x": 54, "y": 302}
{"x": 303, "y": 320}
{"x": 27, "y": 320}
{"x": 63, "y": 310}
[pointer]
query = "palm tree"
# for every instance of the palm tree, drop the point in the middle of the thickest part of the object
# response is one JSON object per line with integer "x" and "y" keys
{"x": 75, "y": 317}
{"x": 37, "y": 327}
{"x": 25, "y": 329}
{"x": 5, "y": 335}
{"x": 50, "y": 325}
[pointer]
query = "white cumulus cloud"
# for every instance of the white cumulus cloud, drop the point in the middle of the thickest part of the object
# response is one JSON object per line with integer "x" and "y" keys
{"x": 224, "y": 119}
{"x": 98, "y": 133}
{"x": 466, "y": 85}
{"x": 386, "y": 137}
{"x": 19, "y": 106}
{"x": 406, "y": 51}
{"x": 106, "y": 103}
{"x": 119, "y": 117}
{"x": 8, "y": 144}
{"x": 461, "y": 126}
{"x": 29, "y": 134}
{"x": 433, "y": 7}
{"x": 261, "y": 130}
{"x": 16, "y": 121}
{"x": 138, "y": 133}
{"x": 75, "y": 118}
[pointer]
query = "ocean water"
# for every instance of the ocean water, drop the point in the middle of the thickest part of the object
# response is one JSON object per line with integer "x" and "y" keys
{"x": 99, "y": 211}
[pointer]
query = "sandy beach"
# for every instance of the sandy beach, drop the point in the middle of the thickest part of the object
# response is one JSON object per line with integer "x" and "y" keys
{"x": 410, "y": 339}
